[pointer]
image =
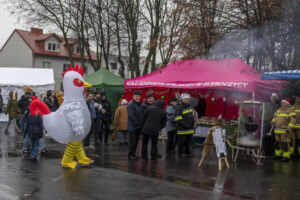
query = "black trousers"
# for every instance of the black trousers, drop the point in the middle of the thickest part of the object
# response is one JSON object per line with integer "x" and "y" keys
{"x": 184, "y": 143}
{"x": 154, "y": 140}
{"x": 133, "y": 141}
{"x": 92, "y": 130}
{"x": 172, "y": 140}
{"x": 98, "y": 129}
{"x": 105, "y": 127}
{"x": 268, "y": 143}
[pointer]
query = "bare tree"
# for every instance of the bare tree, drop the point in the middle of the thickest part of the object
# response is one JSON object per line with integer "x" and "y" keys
{"x": 154, "y": 19}
{"x": 173, "y": 30}
{"x": 120, "y": 34}
{"x": 131, "y": 10}
{"x": 205, "y": 28}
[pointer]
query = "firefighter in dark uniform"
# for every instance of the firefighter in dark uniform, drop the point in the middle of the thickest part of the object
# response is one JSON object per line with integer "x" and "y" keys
{"x": 185, "y": 124}
{"x": 296, "y": 129}
{"x": 283, "y": 122}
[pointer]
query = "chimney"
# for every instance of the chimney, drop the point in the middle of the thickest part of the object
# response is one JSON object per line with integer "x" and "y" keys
{"x": 36, "y": 30}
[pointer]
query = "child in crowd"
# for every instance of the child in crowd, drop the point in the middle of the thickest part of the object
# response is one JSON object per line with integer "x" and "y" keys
{"x": 34, "y": 131}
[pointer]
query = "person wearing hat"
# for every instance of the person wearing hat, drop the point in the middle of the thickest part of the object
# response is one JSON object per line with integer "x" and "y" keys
{"x": 149, "y": 102}
{"x": 270, "y": 109}
{"x": 171, "y": 126}
{"x": 283, "y": 122}
{"x": 184, "y": 119}
{"x": 106, "y": 111}
{"x": 296, "y": 129}
{"x": 25, "y": 99}
{"x": 121, "y": 122}
{"x": 135, "y": 113}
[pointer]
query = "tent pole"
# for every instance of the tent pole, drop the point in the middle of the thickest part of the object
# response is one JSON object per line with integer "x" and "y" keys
{"x": 253, "y": 99}
{"x": 225, "y": 103}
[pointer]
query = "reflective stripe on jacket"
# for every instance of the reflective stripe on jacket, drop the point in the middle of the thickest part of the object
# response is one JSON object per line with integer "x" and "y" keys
{"x": 296, "y": 109}
{"x": 184, "y": 119}
{"x": 284, "y": 120}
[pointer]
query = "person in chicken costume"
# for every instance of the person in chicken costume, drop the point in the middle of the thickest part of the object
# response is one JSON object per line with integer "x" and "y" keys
{"x": 71, "y": 122}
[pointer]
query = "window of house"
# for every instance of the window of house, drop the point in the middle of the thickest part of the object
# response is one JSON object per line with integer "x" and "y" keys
{"x": 113, "y": 65}
{"x": 76, "y": 50}
{"x": 46, "y": 64}
{"x": 66, "y": 66}
{"x": 52, "y": 47}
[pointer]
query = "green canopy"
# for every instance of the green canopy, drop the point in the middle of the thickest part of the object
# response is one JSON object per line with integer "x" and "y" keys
{"x": 104, "y": 79}
{"x": 113, "y": 85}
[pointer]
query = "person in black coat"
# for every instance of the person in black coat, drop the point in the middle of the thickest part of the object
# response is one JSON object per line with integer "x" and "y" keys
{"x": 34, "y": 130}
{"x": 106, "y": 116}
{"x": 154, "y": 119}
{"x": 149, "y": 102}
{"x": 135, "y": 112}
{"x": 51, "y": 101}
{"x": 24, "y": 102}
{"x": 184, "y": 119}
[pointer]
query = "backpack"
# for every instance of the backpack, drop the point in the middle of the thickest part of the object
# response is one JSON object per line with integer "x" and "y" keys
{"x": 35, "y": 124}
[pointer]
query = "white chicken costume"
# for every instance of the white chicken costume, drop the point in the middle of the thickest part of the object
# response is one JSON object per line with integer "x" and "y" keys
{"x": 71, "y": 122}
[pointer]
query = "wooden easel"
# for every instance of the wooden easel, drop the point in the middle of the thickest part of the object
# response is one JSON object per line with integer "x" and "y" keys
{"x": 220, "y": 163}
{"x": 208, "y": 147}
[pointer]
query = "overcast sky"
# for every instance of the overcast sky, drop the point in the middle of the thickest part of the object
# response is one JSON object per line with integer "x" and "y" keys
{"x": 7, "y": 24}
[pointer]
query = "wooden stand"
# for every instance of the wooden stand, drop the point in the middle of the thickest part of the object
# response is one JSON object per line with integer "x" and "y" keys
{"x": 204, "y": 156}
{"x": 208, "y": 147}
{"x": 220, "y": 163}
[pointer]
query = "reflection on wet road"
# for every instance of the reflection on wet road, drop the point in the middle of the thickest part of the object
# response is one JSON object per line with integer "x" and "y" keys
{"x": 113, "y": 176}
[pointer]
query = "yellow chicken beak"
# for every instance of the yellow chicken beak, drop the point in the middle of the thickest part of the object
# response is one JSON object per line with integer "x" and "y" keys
{"x": 87, "y": 85}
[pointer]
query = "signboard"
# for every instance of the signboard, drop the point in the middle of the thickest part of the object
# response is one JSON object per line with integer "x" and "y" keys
{"x": 218, "y": 138}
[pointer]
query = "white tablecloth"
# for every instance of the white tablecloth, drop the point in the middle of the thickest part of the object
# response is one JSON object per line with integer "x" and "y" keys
{"x": 201, "y": 131}
{"x": 3, "y": 117}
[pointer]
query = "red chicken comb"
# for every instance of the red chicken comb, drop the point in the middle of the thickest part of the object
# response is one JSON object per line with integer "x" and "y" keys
{"x": 75, "y": 69}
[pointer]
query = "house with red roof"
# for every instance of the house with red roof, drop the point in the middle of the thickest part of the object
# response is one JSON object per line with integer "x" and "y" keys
{"x": 48, "y": 50}
{"x": 39, "y": 50}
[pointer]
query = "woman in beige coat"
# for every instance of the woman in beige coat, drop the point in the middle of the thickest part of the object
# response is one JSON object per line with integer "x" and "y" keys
{"x": 120, "y": 122}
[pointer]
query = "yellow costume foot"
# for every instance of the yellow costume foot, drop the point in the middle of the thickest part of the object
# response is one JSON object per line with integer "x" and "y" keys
{"x": 86, "y": 161}
{"x": 70, "y": 164}
{"x": 81, "y": 157}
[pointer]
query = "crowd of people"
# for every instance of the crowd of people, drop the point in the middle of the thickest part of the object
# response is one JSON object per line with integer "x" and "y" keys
{"x": 136, "y": 118}
{"x": 18, "y": 113}
{"x": 149, "y": 118}
{"x": 282, "y": 127}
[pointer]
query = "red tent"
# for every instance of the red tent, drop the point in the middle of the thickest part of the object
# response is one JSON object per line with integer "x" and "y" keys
{"x": 227, "y": 81}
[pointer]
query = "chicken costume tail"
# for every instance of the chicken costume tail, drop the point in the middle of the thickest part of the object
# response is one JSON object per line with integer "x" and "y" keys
{"x": 75, "y": 149}
{"x": 38, "y": 107}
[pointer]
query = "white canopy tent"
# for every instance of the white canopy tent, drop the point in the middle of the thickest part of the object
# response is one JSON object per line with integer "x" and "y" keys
{"x": 14, "y": 79}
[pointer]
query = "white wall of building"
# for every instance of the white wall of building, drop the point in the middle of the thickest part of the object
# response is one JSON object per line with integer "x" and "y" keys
{"x": 57, "y": 64}
{"x": 16, "y": 53}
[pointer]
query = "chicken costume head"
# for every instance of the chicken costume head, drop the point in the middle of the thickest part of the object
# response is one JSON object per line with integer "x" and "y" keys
{"x": 71, "y": 122}
{"x": 74, "y": 84}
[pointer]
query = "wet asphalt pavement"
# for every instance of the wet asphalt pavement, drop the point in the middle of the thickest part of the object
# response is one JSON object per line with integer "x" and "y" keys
{"x": 114, "y": 177}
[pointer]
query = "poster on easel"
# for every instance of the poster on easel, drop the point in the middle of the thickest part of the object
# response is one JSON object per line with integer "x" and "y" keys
{"x": 219, "y": 141}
